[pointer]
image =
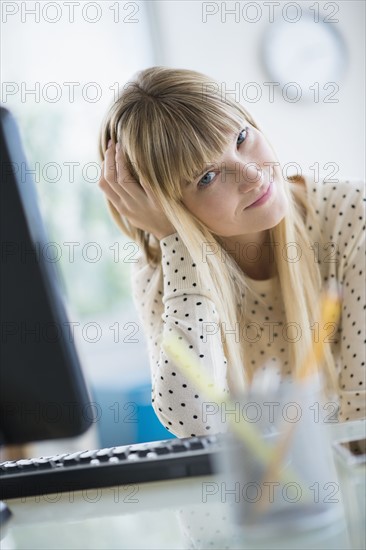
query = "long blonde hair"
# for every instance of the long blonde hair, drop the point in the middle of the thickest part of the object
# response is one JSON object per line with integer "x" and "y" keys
{"x": 169, "y": 122}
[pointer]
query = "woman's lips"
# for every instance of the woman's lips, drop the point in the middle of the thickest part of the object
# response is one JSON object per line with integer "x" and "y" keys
{"x": 263, "y": 198}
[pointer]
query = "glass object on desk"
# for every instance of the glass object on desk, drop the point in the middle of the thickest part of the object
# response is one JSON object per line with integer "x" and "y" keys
{"x": 350, "y": 457}
{"x": 297, "y": 490}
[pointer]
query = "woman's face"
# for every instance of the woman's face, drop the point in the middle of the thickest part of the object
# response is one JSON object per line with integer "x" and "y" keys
{"x": 222, "y": 195}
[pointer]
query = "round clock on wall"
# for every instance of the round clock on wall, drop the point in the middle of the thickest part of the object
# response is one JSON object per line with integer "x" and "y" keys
{"x": 304, "y": 60}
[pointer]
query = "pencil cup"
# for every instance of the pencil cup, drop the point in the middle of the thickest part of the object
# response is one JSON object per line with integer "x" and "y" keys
{"x": 295, "y": 487}
{"x": 350, "y": 455}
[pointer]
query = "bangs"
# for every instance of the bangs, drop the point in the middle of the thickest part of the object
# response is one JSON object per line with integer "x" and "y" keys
{"x": 169, "y": 141}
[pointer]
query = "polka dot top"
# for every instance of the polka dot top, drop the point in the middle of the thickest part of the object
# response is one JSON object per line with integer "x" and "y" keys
{"x": 177, "y": 301}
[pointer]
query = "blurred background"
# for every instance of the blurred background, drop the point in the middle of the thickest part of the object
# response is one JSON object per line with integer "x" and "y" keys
{"x": 296, "y": 66}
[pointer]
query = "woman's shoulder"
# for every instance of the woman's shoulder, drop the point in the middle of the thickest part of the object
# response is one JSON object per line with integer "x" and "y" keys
{"x": 333, "y": 196}
{"x": 338, "y": 206}
{"x": 325, "y": 187}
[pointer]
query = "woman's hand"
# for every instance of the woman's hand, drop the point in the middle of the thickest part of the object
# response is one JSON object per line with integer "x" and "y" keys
{"x": 131, "y": 199}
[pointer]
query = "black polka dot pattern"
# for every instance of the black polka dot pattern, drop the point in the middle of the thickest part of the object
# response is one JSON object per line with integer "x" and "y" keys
{"x": 179, "y": 302}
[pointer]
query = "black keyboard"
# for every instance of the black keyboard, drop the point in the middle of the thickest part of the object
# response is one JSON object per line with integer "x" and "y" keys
{"x": 136, "y": 463}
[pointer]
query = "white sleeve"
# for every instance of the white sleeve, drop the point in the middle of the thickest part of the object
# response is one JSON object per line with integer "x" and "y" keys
{"x": 352, "y": 379}
{"x": 184, "y": 307}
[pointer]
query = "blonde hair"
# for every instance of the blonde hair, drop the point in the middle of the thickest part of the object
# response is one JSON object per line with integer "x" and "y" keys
{"x": 170, "y": 122}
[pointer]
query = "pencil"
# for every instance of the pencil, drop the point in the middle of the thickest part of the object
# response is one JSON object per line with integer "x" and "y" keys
{"x": 330, "y": 312}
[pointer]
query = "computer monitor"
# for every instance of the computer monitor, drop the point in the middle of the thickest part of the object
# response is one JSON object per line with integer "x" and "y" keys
{"x": 43, "y": 394}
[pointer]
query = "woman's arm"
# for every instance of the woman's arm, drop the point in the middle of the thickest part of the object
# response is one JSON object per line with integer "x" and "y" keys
{"x": 352, "y": 379}
{"x": 179, "y": 303}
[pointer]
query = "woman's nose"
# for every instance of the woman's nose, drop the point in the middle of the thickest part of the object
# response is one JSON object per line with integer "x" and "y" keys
{"x": 246, "y": 176}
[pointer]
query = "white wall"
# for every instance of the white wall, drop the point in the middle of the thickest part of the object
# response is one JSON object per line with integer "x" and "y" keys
{"x": 303, "y": 132}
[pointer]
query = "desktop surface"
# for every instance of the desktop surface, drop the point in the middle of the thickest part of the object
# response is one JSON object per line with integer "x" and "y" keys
{"x": 158, "y": 514}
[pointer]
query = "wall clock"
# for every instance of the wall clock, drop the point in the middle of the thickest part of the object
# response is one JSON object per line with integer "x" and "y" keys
{"x": 305, "y": 59}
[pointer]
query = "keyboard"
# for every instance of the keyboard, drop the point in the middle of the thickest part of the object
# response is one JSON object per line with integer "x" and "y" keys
{"x": 121, "y": 465}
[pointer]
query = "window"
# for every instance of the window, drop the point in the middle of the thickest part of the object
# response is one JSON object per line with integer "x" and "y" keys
{"x": 61, "y": 69}
{"x": 62, "y": 66}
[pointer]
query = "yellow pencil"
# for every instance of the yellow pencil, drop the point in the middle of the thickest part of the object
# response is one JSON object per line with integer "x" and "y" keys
{"x": 330, "y": 312}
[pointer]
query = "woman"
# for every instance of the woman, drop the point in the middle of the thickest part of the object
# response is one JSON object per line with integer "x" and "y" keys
{"x": 238, "y": 278}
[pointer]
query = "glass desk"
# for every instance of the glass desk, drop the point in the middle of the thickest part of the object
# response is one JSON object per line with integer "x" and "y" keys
{"x": 159, "y": 515}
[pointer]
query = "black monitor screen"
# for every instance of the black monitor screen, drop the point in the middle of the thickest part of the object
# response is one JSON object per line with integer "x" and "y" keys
{"x": 43, "y": 394}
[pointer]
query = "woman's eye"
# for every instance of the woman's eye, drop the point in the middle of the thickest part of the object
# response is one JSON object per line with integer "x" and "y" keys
{"x": 207, "y": 179}
{"x": 210, "y": 176}
{"x": 242, "y": 136}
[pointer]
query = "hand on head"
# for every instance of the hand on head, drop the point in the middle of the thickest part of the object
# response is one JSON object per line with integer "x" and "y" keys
{"x": 130, "y": 198}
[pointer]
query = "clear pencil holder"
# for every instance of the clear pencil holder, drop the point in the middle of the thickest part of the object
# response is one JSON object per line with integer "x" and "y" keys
{"x": 302, "y": 491}
{"x": 350, "y": 455}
